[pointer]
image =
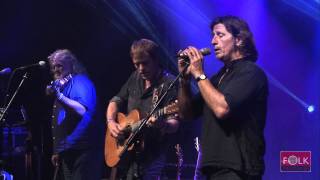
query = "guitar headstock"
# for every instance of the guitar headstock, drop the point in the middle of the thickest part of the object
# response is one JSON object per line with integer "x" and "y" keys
{"x": 171, "y": 108}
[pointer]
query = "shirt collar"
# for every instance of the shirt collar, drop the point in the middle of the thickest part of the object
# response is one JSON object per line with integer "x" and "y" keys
{"x": 233, "y": 63}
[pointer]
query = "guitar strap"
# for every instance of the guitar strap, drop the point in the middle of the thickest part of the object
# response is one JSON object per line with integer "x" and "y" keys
{"x": 156, "y": 94}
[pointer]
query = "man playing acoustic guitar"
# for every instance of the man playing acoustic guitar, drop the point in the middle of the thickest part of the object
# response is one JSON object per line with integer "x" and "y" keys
{"x": 141, "y": 92}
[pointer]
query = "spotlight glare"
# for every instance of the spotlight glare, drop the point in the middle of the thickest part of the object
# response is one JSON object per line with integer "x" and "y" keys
{"x": 310, "y": 108}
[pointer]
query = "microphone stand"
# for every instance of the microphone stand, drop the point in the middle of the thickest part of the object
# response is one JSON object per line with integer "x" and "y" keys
{"x": 6, "y": 106}
{"x": 143, "y": 123}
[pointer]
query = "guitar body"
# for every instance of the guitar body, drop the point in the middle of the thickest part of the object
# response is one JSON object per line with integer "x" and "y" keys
{"x": 112, "y": 148}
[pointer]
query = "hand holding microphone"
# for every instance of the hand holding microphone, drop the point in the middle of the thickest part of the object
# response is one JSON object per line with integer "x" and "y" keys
{"x": 182, "y": 54}
{"x": 193, "y": 58}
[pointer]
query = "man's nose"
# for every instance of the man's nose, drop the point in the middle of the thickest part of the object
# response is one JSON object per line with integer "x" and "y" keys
{"x": 141, "y": 67}
{"x": 214, "y": 41}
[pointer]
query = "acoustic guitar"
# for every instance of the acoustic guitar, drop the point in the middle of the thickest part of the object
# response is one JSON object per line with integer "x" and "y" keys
{"x": 114, "y": 146}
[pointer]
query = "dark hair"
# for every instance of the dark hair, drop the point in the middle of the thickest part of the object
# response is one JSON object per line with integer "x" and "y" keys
{"x": 143, "y": 48}
{"x": 239, "y": 29}
{"x": 67, "y": 55}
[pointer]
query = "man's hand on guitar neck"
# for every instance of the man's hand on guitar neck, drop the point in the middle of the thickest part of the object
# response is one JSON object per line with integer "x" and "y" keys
{"x": 156, "y": 122}
{"x": 166, "y": 126}
{"x": 114, "y": 128}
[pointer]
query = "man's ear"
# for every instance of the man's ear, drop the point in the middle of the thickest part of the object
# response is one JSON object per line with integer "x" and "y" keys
{"x": 239, "y": 42}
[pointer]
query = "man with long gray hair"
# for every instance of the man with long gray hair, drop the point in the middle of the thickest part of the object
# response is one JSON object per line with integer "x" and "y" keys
{"x": 77, "y": 139}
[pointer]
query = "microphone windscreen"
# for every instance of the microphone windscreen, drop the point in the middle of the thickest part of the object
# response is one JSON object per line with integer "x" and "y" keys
{"x": 205, "y": 51}
{"x": 42, "y": 63}
{"x": 5, "y": 71}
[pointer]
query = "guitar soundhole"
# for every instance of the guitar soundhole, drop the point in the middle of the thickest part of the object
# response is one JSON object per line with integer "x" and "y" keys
{"x": 121, "y": 139}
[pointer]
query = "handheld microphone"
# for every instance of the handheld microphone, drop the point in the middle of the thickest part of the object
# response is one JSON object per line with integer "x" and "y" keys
{"x": 5, "y": 71}
{"x": 204, "y": 51}
{"x": 40, "y": 63}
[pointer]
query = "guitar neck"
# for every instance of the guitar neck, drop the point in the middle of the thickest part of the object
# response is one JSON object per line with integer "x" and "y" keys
{"x": 170, "y": 109}
{"x": 159, "y": 113}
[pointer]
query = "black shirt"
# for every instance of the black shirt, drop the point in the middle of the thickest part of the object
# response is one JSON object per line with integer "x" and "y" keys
{"x": 236, "y": 142}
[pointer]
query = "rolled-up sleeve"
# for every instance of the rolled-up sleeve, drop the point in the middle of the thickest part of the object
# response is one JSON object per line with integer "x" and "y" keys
{"x": 242, "y": 88}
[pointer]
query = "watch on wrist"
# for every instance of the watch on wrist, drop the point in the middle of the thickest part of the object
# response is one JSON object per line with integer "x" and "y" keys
{"x": 201, "y": 77}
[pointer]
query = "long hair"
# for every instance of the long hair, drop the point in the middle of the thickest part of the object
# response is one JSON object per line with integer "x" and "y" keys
{"x": 239, "y": 29}
{"x": 67, "y": 55}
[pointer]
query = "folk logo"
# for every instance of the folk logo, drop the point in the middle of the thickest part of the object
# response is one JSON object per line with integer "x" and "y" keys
{"x": 295, "y": 161}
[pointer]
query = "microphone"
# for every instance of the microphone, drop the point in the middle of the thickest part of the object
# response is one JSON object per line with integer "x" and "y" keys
{"x": 5, "y": 71}
{"x": 203, "y": 51}
{"x": 40, "y": 63}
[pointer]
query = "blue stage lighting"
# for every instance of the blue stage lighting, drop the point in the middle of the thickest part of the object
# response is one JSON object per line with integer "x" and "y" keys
{"x": 310, "y": 8}
{"x": 310, "y": 108}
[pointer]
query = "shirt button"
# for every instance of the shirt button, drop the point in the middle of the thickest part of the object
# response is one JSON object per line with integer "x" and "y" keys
{"x": 52, "y": 127}
{"x": 54, "y": 106}
{"x": 53, "y": 138}
{"x": 52, "y": 116}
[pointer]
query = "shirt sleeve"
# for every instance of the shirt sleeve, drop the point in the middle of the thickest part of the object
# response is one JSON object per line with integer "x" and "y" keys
{"x": 83, "y": 91}
{"x": 123, "y": 94}
{"x": 243, "y": 87}
{"x": 197, "y": 105}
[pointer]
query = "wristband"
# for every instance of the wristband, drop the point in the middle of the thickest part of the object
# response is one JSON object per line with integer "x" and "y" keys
{"x": 60, "y": 96}
{"x": 110, "y": 119}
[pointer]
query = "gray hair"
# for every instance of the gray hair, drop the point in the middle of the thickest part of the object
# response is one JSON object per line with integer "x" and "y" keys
{"x": 67, "y": 55}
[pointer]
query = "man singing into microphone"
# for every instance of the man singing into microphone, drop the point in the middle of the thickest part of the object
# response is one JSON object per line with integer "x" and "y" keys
{"x": 77, "y": 134}
{"x": 233, "y": 103}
